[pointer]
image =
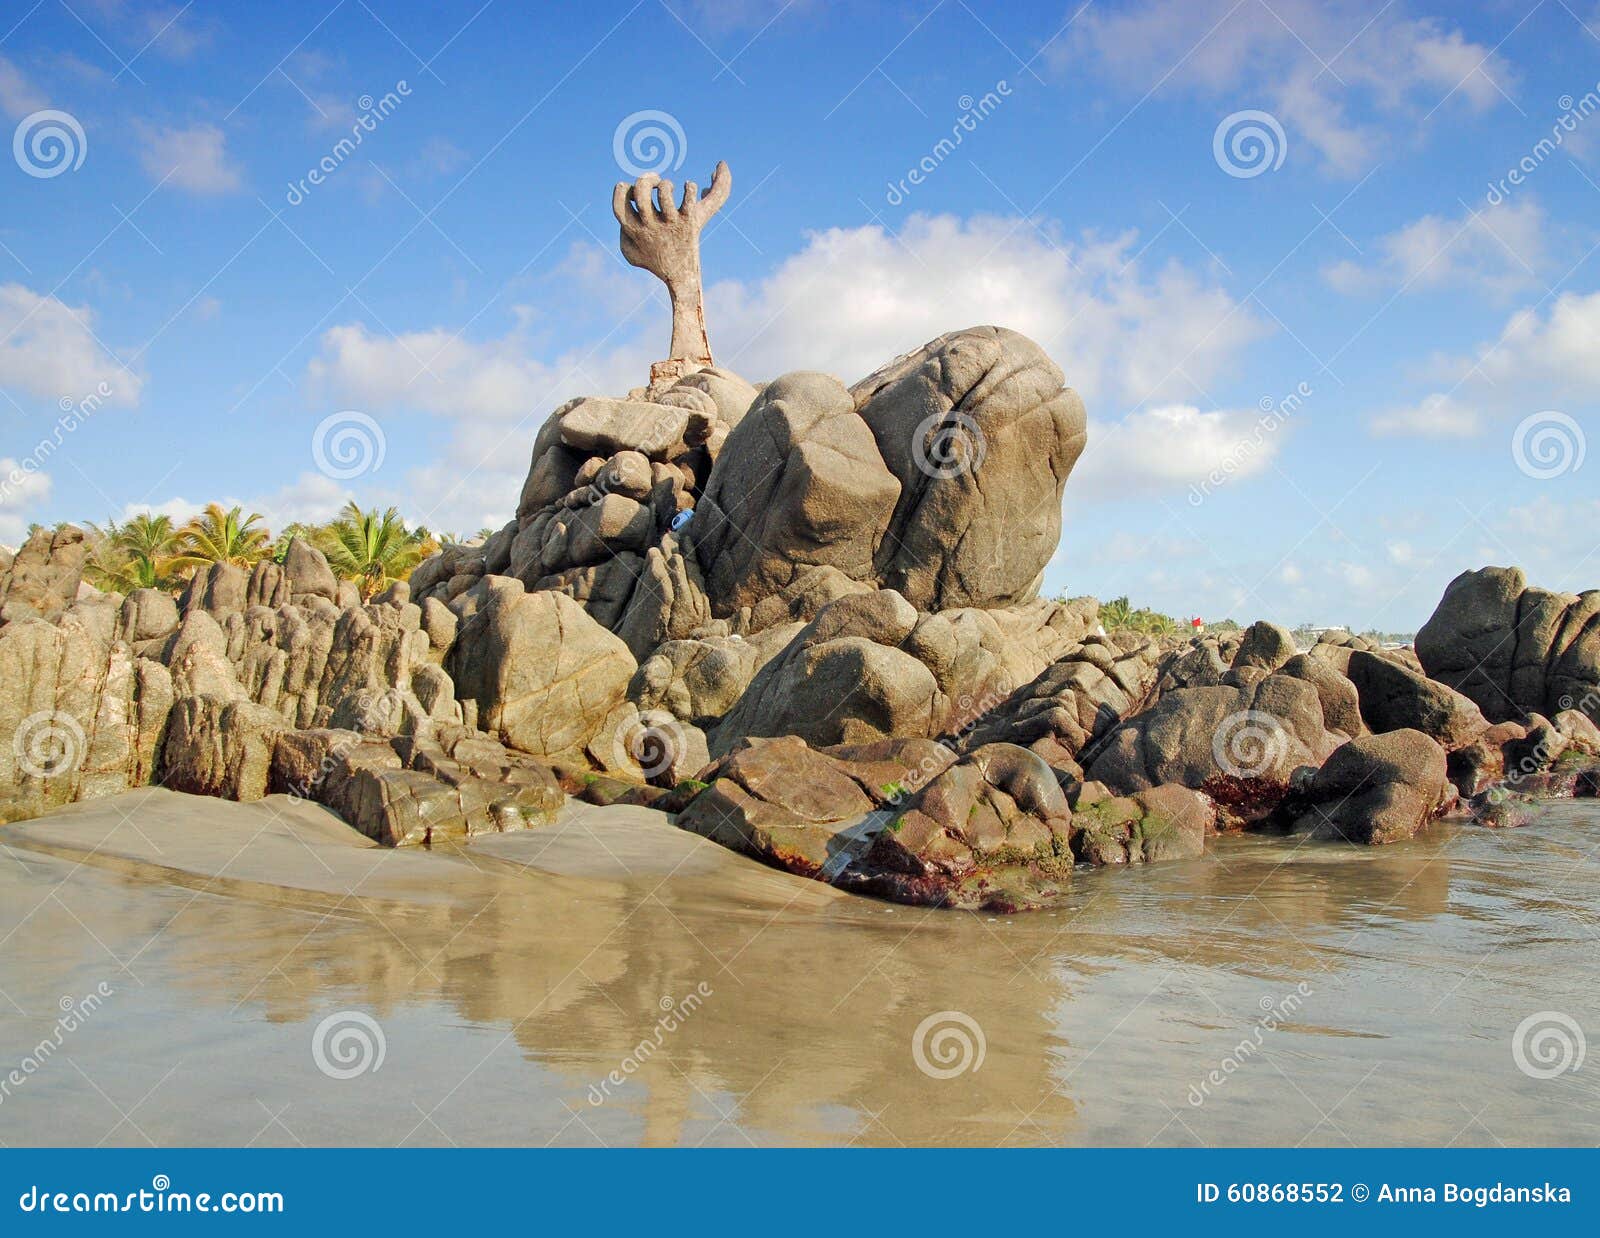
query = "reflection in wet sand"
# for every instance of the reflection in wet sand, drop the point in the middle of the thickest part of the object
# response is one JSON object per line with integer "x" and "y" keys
{"x": 511, "y": 980}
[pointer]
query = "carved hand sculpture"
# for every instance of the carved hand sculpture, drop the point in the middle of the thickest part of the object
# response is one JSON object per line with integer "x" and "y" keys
{"x": 663, "y": 237}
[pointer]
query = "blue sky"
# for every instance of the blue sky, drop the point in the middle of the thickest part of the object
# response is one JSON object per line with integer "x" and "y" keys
{"x": 174, "y": 278}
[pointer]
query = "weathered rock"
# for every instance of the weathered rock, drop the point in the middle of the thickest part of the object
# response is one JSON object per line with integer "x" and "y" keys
{"x": 1376, "y": 789}
{"x": 542, "y": 675}
{"x": 780, "y": 801}
{"x": 410, "y": 791}
{"x": 981, "y": 434}
{"x": 1341, "y": 703}
{"x": 1264, "y": 646}
{"x": 799, "y": 483}
{"x": 1168, "y": 822}
{"x": 994, "y": 830}
{"x": 147, "y": 615}
{"x": 1239, "y": 743}
{"x": 42, "y": 579}
{"x": 1395, "y": 698}
{"x": 1515, "y": 650}
{"x": 220, "y": 747}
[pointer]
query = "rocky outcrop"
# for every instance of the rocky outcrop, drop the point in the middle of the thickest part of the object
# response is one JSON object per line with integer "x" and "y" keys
{"x": 78, "y": 718}
{"x": 1515, "y": 650}
{"x": 42, "y": 580}
{"x": 453, "y": 786}
{"x": 799, "y": 483}
{"x": 1239, "y": 742}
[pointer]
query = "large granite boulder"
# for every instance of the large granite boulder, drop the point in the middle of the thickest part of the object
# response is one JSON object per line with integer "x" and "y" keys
{"x": 541, "y": 675}
{"x": 1515, "y": 650}
{"x": 1394, "y": 697}
{"x": 402, "y": 792}
{"x": 799, "y": 483}
{"x": 79, "y": 717}
{"x": 981, "y": 433}
{"x": 1375, "y": 789}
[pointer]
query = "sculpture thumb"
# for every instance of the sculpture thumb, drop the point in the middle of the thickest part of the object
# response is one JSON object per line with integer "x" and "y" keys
{"x": 721, "y": 186}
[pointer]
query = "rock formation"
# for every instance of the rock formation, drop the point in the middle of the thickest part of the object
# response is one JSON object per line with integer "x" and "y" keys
{"x": 806, "y": 619}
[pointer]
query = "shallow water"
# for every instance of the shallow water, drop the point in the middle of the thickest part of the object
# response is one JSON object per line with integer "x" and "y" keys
{"x": 1378, "y": 991}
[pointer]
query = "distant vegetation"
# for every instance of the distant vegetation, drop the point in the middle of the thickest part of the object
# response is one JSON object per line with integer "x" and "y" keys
{"x": 371, "y": 548}
{"x": 1121, "y": 615}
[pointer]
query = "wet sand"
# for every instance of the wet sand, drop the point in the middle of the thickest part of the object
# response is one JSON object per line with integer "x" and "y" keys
{"x": 1378, "y": 991}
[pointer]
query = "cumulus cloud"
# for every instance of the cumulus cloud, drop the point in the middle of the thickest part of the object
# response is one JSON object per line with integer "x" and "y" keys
{"x": 1169, "y": 449}
{"x": 1498, "y": 249}
{"x": 49, "y": 349}
{"x": 1544, "y": 358}
{"x": 854, "y": 298}
{"x": 1336, "y": 74}
{"x": 193, "y": 158}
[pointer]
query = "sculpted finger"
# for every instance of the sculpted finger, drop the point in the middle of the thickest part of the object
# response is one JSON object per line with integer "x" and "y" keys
{"x": 669, "y": 207}
{"x": 691, "y": 194}
{"x": 721, "y": 185}
{"x": 619, "y": 202}
{"x": 641, "y": 193}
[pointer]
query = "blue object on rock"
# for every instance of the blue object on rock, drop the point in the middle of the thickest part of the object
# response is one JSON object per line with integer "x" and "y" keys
{"x": 681, "y": 519}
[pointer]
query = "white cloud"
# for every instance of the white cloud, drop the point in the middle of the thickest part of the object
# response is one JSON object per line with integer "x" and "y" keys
{"x": 1557, "y": 348}
{"x": 48, "y": 349}
{"x": 855, "y": 298}
{"x": 18, "y": 98}
{"x": 193, "y": 158}
{"x": 1542, "y": 359}
{"x": 1169, "y": 449}
{"x": 1437, "y": 416}
{"x": 1313, "y": 64}
{"x": 1497, "y": 249}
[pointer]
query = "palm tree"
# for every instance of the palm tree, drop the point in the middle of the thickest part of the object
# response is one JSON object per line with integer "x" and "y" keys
{"x": 217, "y": 536}
{"x": 137, "y": 554}
{"x": 1116, "y": 614}
{"x": 371, "y": 548}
